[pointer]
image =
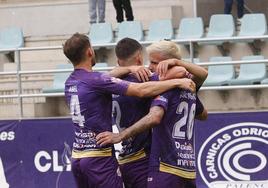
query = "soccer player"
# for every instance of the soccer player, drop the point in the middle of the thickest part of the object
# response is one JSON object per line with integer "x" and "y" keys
{"x": 172, "y": 160}
{"x": 134, "y": 157}
{"x": 89, "y": 96}
{"x": 158, "y": 53}
{"x": 165, "y": 54}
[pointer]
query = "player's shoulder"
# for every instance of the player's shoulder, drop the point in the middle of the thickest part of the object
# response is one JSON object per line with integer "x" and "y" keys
{"x": 174, "y": 93}
{"x": 99, "y": 76}
{"x": 131, "y": 78}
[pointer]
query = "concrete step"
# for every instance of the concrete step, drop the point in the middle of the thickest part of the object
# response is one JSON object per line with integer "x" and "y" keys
{"x": 33, "y": 64}
{"x": 49, "y": 107}
{"x": 235, "y": 100}
{"x": 56, "y": 18}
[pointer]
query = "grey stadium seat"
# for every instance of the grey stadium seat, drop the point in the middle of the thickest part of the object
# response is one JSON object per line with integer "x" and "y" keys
{"x": 250, "y": 73}
{"x": 160, "y": 30}
{"x": 219, "y": 75}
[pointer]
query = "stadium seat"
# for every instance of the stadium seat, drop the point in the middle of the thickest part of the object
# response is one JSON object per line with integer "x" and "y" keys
{"x": 160, "y": 30}
{"x": 59, "y": 79}
{"x": 250, "y": 73}
{"x": 11, "y": 37}
{"x": 219, "y": 75}
{"x": 130, "y": 29}
{"x": 253, "y": 25}
{"x": 191, "y": 28}
{"x": 220, "y": 25}
{"x": 265, "y": 81}
{"x": 101, "y": 33}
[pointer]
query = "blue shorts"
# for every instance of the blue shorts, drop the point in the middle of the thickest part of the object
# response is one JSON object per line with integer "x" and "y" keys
{"x": 96, "y": 172}
{"x": 135, "y": 173}
{"x": 157, "y": 179}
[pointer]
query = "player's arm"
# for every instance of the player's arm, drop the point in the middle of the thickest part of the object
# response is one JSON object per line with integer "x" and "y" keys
{"x": 174, "y": 72}
{"x": 202, "y": 116}
{"x": 140, "y": 72}
{"x": 153, "y": 88}
{"x": 112, "y": 85}
{"x": 143, "y": 73}
{"x": 199, "y": 73}
{"x": 152, "y": 119}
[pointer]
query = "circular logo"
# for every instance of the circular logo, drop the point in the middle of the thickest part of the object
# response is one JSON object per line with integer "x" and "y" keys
{"x": 235, "y": 156}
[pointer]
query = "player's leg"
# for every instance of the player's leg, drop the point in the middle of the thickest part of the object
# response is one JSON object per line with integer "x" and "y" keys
{"x": 190, "y": 183}
{"x": 157, "y": 179}
{"x": 102, "y": 172}
{"x": 80, "y": 178}
{"x": 134, "y": 174}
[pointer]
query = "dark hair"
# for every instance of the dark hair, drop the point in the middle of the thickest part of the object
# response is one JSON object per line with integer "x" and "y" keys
{"x": 75, "y": 48}
{"x": 127, "y": 47}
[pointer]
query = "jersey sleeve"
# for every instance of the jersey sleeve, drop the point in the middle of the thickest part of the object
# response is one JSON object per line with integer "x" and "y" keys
{"x": 199, "y": 106}
{"x": 110, "y": 84}
{"x": 161, "y": 101}
{"x": 154, "y": 77}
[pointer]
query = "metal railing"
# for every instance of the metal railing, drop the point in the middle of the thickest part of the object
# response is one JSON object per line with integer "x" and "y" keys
{"x": 19, "y": 72}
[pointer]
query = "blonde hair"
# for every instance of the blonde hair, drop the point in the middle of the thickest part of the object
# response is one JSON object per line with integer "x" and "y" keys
{"x": 167, "y": 49}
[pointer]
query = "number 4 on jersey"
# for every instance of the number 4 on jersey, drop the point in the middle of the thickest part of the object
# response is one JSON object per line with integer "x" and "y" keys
{"x": 75, "y": 111}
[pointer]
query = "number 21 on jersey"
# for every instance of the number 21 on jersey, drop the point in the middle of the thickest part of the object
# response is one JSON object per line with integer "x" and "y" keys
{"x": 186, "y": 120}
{"x": 75, "y": 111}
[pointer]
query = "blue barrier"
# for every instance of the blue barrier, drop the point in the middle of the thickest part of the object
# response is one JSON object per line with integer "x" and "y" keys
{"x": 231, "y": 150}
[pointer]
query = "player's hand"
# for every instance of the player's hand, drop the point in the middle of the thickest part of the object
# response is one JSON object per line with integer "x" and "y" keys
{"x": 163, "y": 66}
{"x": 141, "y": 73}
{"x": 174, "y": 72}
{"x": 106, "y": 138}
{"x": 186, "y": 83}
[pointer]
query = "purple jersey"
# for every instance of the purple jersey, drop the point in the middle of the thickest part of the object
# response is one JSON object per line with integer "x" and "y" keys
{"x": 126, "y": 112}
{"x": 173, "y": 140}
{"x": 89, "y": 96}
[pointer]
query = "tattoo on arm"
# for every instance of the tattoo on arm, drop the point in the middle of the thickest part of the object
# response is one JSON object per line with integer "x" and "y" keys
{"x": 152, "y": 119}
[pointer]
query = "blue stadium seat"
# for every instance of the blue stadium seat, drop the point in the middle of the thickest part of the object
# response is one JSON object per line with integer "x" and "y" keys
{"x": 265, "y": 81}
{"x": 191, "y": 28}
{"x": 219, "y": 75}
{"x": 59, "y": 79}
{"x": 101, "y": 33}
{"x": 11, "y": 37}
{"x": 253, "y": 25}
{"x": 220, "y": 25}
{"x": 130, "y": 29}
{"x": 160, "y": 30}
{"x": 250, "y": 73}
